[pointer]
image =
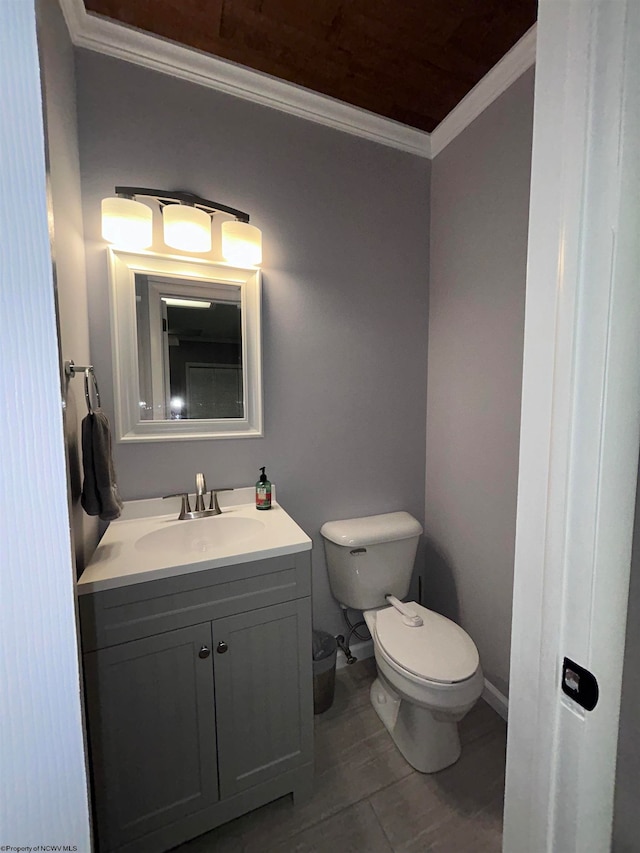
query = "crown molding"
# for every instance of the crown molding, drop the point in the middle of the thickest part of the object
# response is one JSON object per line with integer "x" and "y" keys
{"x": 122, "y": 42}
{"x": 512, "y": 65}
{"x": 113, "y": 39}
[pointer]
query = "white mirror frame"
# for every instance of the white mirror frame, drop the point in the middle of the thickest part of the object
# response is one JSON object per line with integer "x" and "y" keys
{"x": 129, "y": 427}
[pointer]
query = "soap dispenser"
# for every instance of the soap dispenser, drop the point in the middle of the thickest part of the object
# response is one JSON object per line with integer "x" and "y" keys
{"x": 263, "y": 491}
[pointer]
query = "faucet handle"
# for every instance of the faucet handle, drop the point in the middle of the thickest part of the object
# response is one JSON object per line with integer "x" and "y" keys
{"x": 213, "y": 502}
{"x": 185, "y": 508}
{"x": 176, "y": 495}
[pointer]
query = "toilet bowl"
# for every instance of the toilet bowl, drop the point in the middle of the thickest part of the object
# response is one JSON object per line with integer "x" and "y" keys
{"x": 428, "y": 669}
{"x": 428, "y": 679}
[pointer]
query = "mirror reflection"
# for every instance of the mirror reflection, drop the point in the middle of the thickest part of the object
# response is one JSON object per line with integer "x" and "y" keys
{"x": 189, "y": 350}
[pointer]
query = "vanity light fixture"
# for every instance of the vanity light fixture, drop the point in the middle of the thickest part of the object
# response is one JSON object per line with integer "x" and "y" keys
{"x": 186, "y": 218}
{"x": 241, "y": 242}
{"x": 187, "y": 228}
{"x": 127, "y": 223}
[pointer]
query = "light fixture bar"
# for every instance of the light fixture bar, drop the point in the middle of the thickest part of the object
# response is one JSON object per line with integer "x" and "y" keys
{"x": 186, "y": 224}
{"x": 169, "y": 196}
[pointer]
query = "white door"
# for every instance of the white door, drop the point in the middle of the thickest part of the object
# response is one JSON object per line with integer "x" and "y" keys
{"x": 580, "y": 425}
{"x": 43, "y": 787}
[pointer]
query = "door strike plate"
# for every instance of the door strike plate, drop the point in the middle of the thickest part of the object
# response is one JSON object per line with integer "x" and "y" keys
{"x": 579, "y": 684}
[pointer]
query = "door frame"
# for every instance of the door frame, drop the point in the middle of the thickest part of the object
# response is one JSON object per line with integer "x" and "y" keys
{"x": 580, "y": 427}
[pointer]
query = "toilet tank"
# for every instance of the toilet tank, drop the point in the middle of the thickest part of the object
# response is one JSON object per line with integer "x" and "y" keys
{"x": 370, "y": 557}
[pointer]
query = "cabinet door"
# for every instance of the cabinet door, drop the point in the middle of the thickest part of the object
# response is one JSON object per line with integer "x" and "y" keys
{"x": 152, "y": 732}
{"x": 264, "y": 703}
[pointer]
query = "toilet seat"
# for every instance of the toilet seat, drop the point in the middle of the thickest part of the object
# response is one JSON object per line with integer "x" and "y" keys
{"x": 438, "y": 651}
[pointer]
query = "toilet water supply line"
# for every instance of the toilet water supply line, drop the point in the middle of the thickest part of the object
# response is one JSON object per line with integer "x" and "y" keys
{"x": 343, "y": 644}
{"x": 409, "y": 616}
{"x": 353, "y": 629}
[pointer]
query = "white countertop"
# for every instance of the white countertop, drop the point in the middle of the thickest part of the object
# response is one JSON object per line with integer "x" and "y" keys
{"x": 121, "y": 559}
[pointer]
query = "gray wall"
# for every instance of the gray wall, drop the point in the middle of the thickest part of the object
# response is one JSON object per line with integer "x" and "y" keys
{"x": 626, "y": 823}
{"x": 345, "y": 224}
{"x": 479, "y": 218}
{"x": 65, "y": 204}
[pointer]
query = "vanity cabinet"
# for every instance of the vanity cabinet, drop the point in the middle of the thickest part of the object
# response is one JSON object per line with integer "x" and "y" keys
{"x": 257, "y": 684}
{"x": 199, "y": 699}
{"x": 153, "y": 740}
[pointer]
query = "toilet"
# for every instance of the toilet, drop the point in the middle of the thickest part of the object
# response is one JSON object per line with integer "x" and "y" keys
{"x": 428, "y": 668}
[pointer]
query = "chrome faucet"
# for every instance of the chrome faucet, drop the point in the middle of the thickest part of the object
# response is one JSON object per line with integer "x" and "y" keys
{"x": 201, "y": 490}
{"x": 199, "y": 511}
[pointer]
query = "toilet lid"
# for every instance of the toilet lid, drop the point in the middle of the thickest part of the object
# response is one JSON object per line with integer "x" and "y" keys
{"x": 439, "y": 650}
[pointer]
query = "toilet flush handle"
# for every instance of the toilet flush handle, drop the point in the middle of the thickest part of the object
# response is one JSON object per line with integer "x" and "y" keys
{"x": 409, "y": 616}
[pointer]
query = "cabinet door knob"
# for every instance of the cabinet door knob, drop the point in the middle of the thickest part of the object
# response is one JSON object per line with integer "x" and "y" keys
{"x": 204, "y": 652}
{"x": 222, "y": 647}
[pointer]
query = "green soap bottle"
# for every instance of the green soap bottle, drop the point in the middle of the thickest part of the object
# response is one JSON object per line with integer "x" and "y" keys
{"x": 263, "y": 491}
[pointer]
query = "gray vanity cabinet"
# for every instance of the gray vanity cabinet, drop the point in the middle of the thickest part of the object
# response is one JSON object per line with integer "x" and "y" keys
{"x": 258, "y": 680}
{"x": 152, "y": 733}
{"x": 199, "y": 699}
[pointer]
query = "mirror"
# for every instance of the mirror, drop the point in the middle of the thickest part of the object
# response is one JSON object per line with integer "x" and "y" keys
{"x": 186, "y": 348}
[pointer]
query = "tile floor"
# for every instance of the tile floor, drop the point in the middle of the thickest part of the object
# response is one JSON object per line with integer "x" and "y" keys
{"x": 369, "y": 800}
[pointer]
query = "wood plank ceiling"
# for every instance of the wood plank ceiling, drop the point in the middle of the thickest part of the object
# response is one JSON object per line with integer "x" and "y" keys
{"x": 408, "y": 60}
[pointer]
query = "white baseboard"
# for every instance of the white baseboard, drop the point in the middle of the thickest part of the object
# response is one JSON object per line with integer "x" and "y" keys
{"x": 360, "y": 650}
{"x": 498, "y": 701}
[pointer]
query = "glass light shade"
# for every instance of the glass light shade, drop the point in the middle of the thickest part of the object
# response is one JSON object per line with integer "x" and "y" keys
{"x": 241, "y": 243}
{"x": 127, "y": 223}
{"x": 187, "y": 228}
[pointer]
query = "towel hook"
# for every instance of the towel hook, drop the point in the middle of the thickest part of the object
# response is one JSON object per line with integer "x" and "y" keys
{"x": 89, "y": 372}
{"x": 71, "y": 369}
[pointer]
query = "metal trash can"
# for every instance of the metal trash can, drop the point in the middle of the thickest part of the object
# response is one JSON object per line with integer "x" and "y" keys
{"x": 324, "y": 671}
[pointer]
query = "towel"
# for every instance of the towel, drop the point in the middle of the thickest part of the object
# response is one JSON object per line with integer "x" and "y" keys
{"x": 99, "y": 491}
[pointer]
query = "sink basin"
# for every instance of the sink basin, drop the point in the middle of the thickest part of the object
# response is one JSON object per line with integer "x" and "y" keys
{"x": 201, "y": 535}
{"x": 148, "y": 542}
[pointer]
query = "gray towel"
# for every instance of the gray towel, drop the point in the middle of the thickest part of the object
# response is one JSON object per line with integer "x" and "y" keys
{"x": 99, "y": 491}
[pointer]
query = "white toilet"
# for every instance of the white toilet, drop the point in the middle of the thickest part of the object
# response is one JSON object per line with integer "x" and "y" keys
{"x": 429, "y": 673}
